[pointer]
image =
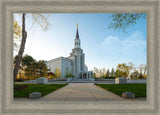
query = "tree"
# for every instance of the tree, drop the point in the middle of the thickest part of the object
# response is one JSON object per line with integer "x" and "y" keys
{"x": 36, "y": 69}
{"x": 29, "y": 72}
{"x": 96, "y": 72}
{"x": 57, "y": 73}
{"x": 27, "y": 60}
{"x": 17, "y": 30}
{"x": 103, "y": 72}
{"x": 123, "y": 70}
{"x": 140, "y": 67}
{"x": 36, "y": 18}
{"x": 145, "y": 70}
{"x": 14, "y": 60}
{"x": 17, "y": 33}
{"x": 122, "y": 21}
{"x": 42, "y": 68}
{"x": 107, "y": 73}
{"x": 134, "y": 75}
{"x": 51, "y": 75}
{"x": 142, "y": 70}
{"x": 20, "y": 53}
{"x": 20, "y": 71}
{"x": 69, "y": 76}
{"x": 32, "y": 70}
{"x": 140, "y": 76}
{"x": 112, "y": 73}
{"x": 130, "y": 66}
{"x": 118, "y": 73}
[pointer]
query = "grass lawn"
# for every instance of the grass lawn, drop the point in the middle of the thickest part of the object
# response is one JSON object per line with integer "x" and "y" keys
{"x": 23, "y": 90}
{"x": 138, "y": 89}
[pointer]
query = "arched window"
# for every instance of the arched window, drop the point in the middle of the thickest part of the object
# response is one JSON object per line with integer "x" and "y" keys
{"x": 66, "y": 70}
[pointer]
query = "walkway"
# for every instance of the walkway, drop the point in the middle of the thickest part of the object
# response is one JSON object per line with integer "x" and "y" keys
{"x": 82, "y": 92}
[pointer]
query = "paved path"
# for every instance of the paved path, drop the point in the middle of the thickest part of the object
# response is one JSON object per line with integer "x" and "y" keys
{"x": 82, "y": 92}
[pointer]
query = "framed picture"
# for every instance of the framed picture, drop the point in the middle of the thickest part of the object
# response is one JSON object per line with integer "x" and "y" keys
{"x": 79, "y": 57}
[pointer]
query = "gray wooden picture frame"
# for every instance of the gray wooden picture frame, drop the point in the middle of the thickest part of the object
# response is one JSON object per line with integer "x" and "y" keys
{"x": 8, "y": 7}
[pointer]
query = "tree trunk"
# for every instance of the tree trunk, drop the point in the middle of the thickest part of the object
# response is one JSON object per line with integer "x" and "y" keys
{"x": 22, "y": 47}
{"x": 144, "y": 70}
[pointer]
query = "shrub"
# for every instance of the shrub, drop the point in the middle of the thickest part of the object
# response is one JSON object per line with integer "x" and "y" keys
{"x": 69, "y": 76}
{"x": 145, "y": 76}
{"x": 19, "y": 80}
{"x": 140, "y": 76}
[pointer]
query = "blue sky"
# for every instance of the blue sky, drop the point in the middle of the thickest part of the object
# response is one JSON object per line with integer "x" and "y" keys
{"x": 103, "y": 47}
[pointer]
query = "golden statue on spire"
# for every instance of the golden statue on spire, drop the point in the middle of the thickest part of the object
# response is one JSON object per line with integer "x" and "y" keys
{"x": 77, "y": 25}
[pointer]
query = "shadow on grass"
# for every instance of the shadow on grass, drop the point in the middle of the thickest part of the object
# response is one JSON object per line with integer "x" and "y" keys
{"x": 138, "y": 89}
{"x": 23, "y": 90}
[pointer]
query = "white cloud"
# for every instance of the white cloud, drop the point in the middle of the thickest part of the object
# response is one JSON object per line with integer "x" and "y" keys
{"x": 132, "y": 48}
{"x": 133, "y": 44}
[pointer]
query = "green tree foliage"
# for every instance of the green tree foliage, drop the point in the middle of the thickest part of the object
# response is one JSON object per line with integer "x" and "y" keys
{"x": 31, "y": 69}
{"x": 112, "y": 73}
{"x": 137, "y": 75}
{"x": 42, "y": 68}
{"x": 69, "y": 76}
{"x": 36, "y": 69}
{"x": 123, "y": 70}
{"x": 134, "y": 75}
{"x": 99, "y": 73}
{"x": 117, "y": 73}
{"x": 103, "y": 72}
{"x": 107, "y": 73}
{"x": 95, "y": 72}
{"x": 140, "y": 76}
{"x": 122, "y": 21}
{"x": 27, "y": 60}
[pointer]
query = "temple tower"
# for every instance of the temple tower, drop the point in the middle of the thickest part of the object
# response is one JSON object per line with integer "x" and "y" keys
{"x": 77, "y": 40}
{"x": 79, "y": 55}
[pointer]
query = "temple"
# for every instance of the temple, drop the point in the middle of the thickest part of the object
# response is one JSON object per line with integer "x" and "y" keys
{"x": 74, "y": 64}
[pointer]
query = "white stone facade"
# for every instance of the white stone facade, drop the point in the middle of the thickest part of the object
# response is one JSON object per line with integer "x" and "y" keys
{"x": 62, "y": 63}
{"x": 74, "y": 64}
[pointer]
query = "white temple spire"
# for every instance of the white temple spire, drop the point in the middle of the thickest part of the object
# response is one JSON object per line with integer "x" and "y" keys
{"x": 77, "y": 40}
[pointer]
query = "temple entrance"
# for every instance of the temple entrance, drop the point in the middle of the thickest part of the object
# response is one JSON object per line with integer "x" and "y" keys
{"x": 85, "y": 75}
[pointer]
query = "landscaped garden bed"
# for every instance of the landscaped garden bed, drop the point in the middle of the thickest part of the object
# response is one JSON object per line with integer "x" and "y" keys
{"x": 23, "y": 90}
{"x": 138, "y": 89}
{"x": 58, "y": 79}
{"x": 104, "y": 79}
